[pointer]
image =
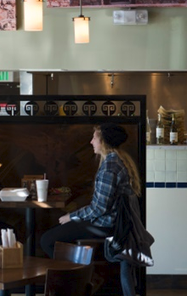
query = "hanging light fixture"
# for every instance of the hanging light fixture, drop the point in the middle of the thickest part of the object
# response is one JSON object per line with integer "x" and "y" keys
{"x": 81, "y": 27}
{"x": 33, "y": 15}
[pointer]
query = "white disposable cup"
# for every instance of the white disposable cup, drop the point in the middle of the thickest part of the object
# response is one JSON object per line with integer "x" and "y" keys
{"x": 42, "y": 189}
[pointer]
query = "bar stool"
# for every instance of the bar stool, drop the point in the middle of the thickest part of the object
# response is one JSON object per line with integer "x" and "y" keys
{"x": 106, "y": 274}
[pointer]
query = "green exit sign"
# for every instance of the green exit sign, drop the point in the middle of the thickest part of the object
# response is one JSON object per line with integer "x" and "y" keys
{"x": 6, "y": 76}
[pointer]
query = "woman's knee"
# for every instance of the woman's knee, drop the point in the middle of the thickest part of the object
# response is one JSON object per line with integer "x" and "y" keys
{"x": 47, "y": 244}
{"x": 43, "y": 240}
{"x": 47, "y": 239}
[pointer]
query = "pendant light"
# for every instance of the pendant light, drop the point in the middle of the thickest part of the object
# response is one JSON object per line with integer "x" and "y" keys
{"x": 81, "y": 27}
{"x": 33, "y": 15}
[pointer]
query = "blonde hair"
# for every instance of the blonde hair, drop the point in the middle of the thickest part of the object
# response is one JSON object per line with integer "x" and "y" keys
{"x": 126, "y": 159}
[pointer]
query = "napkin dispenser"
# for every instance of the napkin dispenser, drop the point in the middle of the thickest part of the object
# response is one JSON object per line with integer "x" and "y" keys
{"x": 11, "y": 257}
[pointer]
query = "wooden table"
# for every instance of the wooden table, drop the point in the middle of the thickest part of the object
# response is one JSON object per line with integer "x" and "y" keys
{"x": 53, "y": 201}
{"x": 33, "y": 272}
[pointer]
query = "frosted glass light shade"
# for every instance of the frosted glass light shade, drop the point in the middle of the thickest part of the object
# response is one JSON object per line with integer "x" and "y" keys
{"x": 81, "y": 29}
{"x": 33, "y": 15}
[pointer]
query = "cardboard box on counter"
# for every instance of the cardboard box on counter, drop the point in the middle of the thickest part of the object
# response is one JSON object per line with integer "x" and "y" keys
{"x": 11, "y": 257}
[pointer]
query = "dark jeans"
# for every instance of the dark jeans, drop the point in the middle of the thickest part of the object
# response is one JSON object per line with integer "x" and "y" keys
{"x": 127, "y": 279}
{"x": 70, "y": 232}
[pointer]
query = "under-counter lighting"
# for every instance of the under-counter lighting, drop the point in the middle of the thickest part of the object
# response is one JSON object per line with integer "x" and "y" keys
{"x": 33, "y": 15}
{"x": 81, "y": 27}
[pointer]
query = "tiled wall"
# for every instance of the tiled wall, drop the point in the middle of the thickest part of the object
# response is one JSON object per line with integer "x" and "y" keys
{"x": 166, "y": 205}
{"x": 166, "y": 166}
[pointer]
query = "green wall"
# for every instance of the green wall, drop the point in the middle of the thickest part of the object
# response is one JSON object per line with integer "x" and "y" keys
{"x": 159, "y": 45}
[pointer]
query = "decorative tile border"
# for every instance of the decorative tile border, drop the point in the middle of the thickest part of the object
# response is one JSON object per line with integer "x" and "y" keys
{"x": 166, "y": 185}
{"x": 94, "y": 107}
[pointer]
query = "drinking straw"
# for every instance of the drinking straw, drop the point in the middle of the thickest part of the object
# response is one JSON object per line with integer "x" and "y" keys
{"x": 44, "y": 176}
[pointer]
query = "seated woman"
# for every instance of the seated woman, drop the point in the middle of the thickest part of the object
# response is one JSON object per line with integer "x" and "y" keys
{"x": 116, "y": 174}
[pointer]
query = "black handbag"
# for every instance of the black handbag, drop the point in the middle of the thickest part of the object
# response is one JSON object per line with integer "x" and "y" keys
{"x": 131, "y": 241}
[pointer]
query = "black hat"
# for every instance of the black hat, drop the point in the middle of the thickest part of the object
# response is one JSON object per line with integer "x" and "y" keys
{"x": 113, "y": 135}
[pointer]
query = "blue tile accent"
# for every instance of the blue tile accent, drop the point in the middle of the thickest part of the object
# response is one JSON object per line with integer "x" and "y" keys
{"x": 160, "y": 184}
{"x": 166, "y": 185}
{"x": 150, "y": 184}
{"x": 171, "y": 185}
{"x": 182, "y": 185}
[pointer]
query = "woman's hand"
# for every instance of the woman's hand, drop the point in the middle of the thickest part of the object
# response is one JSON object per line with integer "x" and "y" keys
{"x": 64, "y": 219}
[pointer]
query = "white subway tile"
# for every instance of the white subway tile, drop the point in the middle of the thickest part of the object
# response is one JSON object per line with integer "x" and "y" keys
{"x": 160, "y": 177}
{"x": 160, "y": 154}
{"x": 181, "y": 176}
{"x": 171, "y": 165}
{"x": 171, "y": 154}
{"x": 150, "y": 176}
{"x": 159, "y": 165}
{"x": 171, "y": 177}
{"x": 150, "y": 154}
{"x": 150, "y": 165}
{"x": 182, "y": 165}
{"x": 181, "y": 154}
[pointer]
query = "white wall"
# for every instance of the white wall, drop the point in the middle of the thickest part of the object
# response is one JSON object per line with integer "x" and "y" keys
{"x": 167, "y": 221}
{"x": 159, "y": 45}
{"x": 166, "y": 206}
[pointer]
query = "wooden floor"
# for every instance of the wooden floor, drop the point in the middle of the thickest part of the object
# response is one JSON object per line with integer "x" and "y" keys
{"x": 149, "y": 293}
{"x": 166, "y": 293}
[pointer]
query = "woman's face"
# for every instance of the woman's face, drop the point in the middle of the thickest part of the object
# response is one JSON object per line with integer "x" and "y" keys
{"x": 96, "y": 143}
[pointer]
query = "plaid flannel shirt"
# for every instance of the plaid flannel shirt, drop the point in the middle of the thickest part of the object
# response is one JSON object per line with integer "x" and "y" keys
{"x": 111, "y": 179}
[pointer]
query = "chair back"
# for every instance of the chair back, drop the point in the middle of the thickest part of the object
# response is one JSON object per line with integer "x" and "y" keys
{"x": 98, "y": 245}
{"x": 74, "y": 253}
{"x": 74, "y": 282}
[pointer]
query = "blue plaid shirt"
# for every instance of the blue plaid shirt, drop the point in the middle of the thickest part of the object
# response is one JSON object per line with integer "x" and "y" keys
{"x": 111, "y": 179}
